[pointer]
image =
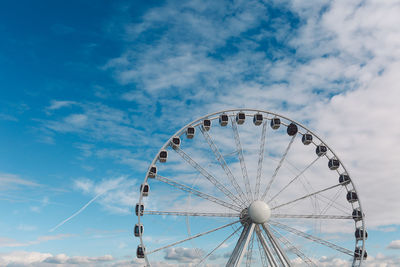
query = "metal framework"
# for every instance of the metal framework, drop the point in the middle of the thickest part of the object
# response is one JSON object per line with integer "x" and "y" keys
{"x": 241, "y": 159}
{"x": 276, "y": 237}
{"x": 223, "y": 164}
{"x": 260, "y": 159}
{"x": 291, "y": 248}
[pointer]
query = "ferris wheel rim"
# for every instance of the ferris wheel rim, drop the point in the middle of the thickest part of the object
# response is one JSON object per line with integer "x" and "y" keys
{"x": 197, "y": 122}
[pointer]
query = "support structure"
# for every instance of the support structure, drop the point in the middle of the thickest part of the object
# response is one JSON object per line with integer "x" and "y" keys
{"x": 241, "y": 246}
{"x": 224, "y": 166}
{"x": 241, "y": 159}
{"x": 266, "y": 248}
{"x": 276, "y": 246}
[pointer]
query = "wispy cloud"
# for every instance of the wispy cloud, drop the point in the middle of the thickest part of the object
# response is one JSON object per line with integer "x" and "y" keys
{"x": 26, "y": 227}
{"x": 395, "y": 244}
{"x": 113, "y": 194}
{"x": 12, "y": 181}
{"x": 7, "y": 117}
{"x": 56, "y": 104}
{"x": 7, "y": 242}
{"x": 25, "y": 258}
{"x": 183, "y": 254}
{"x": 96, "y": 122}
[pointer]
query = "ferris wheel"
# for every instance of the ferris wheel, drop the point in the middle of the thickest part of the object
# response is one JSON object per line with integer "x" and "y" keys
{"x": 248, "y": 187}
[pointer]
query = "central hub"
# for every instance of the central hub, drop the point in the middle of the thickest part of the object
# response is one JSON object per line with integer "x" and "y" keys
{"x": 259, "y": 212}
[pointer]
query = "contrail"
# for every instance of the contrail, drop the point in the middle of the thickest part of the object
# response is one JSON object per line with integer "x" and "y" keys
{"x": 76, "y": 213}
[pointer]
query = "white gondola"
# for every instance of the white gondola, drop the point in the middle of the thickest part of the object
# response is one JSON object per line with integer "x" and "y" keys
{"x": 140, "y": 252}
{"x": 333, "y": 164}
{"x": 138, "y": 231}
{"x": 357, "y": 216}
{"x": 146, "y": 188}
{"x": 321, "y": 150}
{"x": 307, "y": 139}
{"x": 358, "y": 252}
{"x": 175, "y": 142}
{"x": 292, "y": 129}
{"x": 223, "y": 119}
{"x": 275, "y": 123}
{"x": 139, "y": 207}
{"x": 153, "y": 171}
{"x": 344, "y": 179}
{"x": 359, "y": 234}
{"x": 240, "y": 117}
{"x": 258, "y": 119}
{"x": 352, "y": 196}
{"x": 190, "y": 131}
{"x": 162, "y": 157}
{"x": 206, "y": 125}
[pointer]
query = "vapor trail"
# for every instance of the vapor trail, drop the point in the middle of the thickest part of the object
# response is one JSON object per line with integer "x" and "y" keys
{"x": 76, "y": 213}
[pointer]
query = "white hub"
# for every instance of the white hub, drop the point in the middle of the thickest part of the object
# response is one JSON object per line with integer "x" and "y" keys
{"x": 259, "y": 211}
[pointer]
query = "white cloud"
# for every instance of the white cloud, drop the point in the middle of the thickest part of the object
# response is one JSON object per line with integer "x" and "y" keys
{"x": 181, "y": 254}
{"x": 24, "y": 258}
{"x": 76, "y": 120}
{"x": 8, "y": 242}
{"x": 39, "y": 259}
{"x": 7, "y": 117}
{"x": 55, "y": 104}
{"x": 26, "y": 227}
{"x": 62, "y": 259}
{"x": 96, "y": 122}
{"x": 395, "y": 244}
{"x": 11, "y": 181}
{"x": 116, "y": 193}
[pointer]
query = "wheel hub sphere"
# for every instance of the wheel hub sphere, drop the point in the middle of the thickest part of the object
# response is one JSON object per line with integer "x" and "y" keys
{"x": 259, "y": 212}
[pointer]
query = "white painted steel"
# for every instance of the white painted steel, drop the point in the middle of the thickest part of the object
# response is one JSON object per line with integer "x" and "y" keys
{"x": 312, "y": 238}
{"x": 266, "y": 248}
{"x": 278, "y": 249}
{"x": 246, "y": 243}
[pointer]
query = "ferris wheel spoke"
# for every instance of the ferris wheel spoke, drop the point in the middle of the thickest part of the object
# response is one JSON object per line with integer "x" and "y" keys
{"x": 249, "y": 254}
{"x": 312, "y": 216}
{"x": 192, "y": 237}
{"x": 335, "y": 205}
{"x": 197, "y": 193}
{"x": 306, "y": 196}
{"x": 223, "y": 164}
{"x": 260, "y": 159}
{"x": 293, "y": 248}
{"x": 280, "y": 253}
{"x": 238, "y": 246}
{"x": 278, "y": 167}
{"x": 311, "y": 237}
{"x": 217, "y": 247}
{"x": 294, "y": 179}
{"x": 332, "y": 201}
{"x": 236, "y": 258}
{"x": 264, "y": 261}
{"x": 267, "y": 250}
{"x": 183, "y": 213}
{"x": 241, "y": 159}
{"x": 207, "y": 175}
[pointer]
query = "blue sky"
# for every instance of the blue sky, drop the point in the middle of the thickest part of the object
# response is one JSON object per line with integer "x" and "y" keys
{"x": 90, "y": 90}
